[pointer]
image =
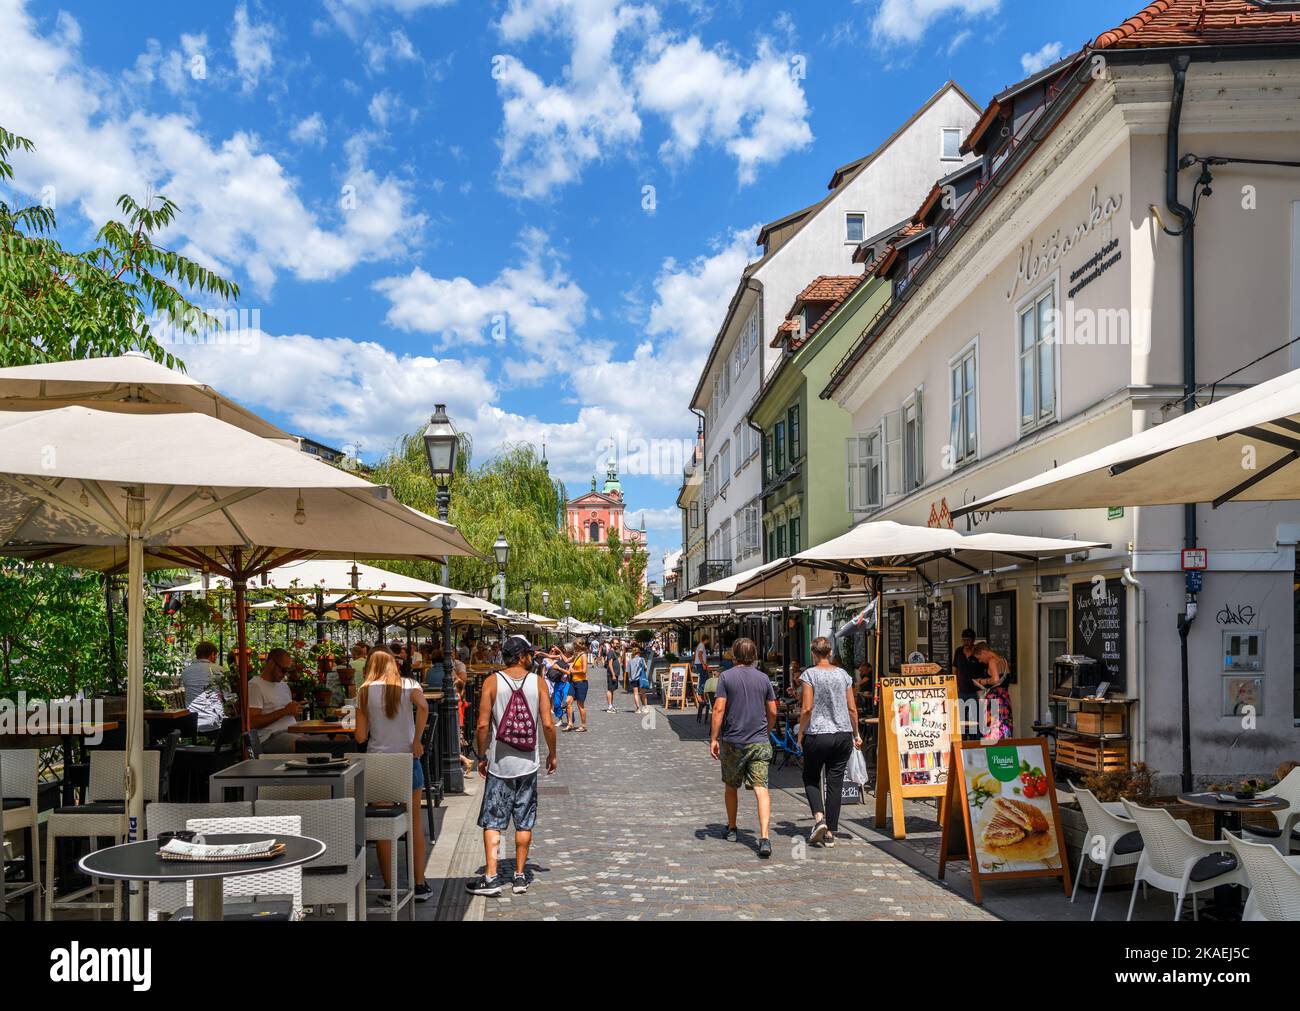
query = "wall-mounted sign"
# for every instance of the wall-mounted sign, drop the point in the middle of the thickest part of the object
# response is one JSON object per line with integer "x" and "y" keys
{"x": 1099, "y": 628}
{"x": 1115, "y": 513}
{"x": 1196, "y": 558}
{"x": 1038, "y": 258}
{"x": 941, "y": 634}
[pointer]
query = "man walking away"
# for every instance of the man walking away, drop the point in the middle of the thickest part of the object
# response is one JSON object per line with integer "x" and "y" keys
{"x": 613, "y": 671}
{"x": 744, "y": 713}
{"x": 510, "y": 713}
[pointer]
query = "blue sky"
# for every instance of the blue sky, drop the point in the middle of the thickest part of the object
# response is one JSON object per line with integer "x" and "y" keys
{"x": 532, "y": 210}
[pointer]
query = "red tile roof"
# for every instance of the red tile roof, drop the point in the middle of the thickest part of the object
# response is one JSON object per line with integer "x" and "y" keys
{"x": 827, "y": 288}
{"x": 1203, "y": 23}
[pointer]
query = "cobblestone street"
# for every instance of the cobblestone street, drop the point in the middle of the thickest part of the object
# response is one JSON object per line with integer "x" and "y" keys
{"x": 631, "y": 825}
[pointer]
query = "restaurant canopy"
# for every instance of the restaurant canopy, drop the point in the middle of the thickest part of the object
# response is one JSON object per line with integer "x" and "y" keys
{"x": 337, "y": 577}
{"x": 843, "y": 565}
{"x": 721, "y": 589}
{"x": 131, "y": 379}
{"x": 1243, "y": 448}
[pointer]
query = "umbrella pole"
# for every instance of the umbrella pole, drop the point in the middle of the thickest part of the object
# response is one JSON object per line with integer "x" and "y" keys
{"x": 241, "y": 635}
{"x": 134, "y": 775}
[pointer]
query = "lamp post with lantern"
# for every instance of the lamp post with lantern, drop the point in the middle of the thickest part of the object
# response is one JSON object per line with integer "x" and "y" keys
{"x": 501, "y": 549}
{"x": 441, "y": 444}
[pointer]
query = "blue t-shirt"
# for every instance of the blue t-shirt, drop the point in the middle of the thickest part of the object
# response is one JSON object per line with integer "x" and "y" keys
{"x": 747, "y": 691}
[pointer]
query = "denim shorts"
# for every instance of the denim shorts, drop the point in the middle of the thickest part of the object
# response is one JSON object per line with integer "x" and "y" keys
{"x": 506, "y": 800}
{"x": 578, "y": 691}
{"x": 417, "y": 776}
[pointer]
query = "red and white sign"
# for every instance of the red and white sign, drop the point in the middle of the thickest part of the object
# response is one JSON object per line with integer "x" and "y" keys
{"x": 1195, "y": 559}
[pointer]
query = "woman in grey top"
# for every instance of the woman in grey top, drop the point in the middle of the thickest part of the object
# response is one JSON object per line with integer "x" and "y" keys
{"x": 828, "y": 733}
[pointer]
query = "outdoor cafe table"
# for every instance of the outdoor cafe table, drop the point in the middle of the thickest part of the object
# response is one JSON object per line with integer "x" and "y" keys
{"x": 256, "y": 772}
{"x": 1227, "y": 815}
{"x": 139, "y": 861}
{"x": 64, "y": 735}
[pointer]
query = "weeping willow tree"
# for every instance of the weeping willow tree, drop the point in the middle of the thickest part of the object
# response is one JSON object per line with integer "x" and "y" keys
{"x": 514, "y": 494}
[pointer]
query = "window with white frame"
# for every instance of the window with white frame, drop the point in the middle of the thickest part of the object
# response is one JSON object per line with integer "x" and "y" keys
{"x": 724, "y": 464}
{"x": 753, "y": 332}
{"x": 951, "y": 143}
{"x": 724, "y": 541}
{"x": 855, "y": 227}
{"x": 1036, "y": 348}
{"x": 695, "y": 515}
{"x": 963, "y": 418}
{"x": 738, "y": 444}
{"x": 913, "y": 444}
{"x": 863, "y": 470}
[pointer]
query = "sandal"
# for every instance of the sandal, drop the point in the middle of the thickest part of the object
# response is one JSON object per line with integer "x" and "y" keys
{"x": 580, "y": 730}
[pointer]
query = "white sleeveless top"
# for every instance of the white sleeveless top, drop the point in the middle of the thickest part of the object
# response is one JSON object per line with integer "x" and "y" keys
{"x": 390, "y": 736}
{"x": 506, "y": 762}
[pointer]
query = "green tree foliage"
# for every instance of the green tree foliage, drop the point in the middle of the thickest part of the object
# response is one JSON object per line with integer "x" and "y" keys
{"x": 514, "y": 494}
{"x": 57, "y": 305}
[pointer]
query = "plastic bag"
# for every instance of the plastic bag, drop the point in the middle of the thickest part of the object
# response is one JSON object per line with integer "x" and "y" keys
{"x": 857, "y": 768}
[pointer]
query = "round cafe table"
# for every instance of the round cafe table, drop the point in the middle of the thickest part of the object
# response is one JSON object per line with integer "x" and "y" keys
{"x": 139, "y": 861}
{"x": 1227, "y": 815}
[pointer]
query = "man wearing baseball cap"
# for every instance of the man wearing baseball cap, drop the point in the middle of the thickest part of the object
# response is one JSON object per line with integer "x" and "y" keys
{"x": 512, "y": 718}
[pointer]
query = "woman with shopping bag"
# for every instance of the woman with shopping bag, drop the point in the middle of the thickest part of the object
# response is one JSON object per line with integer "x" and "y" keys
{"x": 828, "y": 735}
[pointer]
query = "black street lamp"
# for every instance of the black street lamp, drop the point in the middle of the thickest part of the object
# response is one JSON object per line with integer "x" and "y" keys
{"x": 440, "y": 445}
{"x": 546, "y": 603}
{"x": 528, "y": 599}
{"x": 566, "y": 617}
{"x": 501, "y": 549}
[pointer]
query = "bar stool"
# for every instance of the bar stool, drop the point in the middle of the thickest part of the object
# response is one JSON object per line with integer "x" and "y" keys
{"x": 102, "y": 816}
{"x": 19, "y": 783}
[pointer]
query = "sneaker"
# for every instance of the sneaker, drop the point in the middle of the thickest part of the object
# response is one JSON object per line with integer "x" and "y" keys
{"x": 830, "y": 841}
{"x": 423, "y": 893}
{"x": 733, "y": 834}
{"x": 764, "y": 849}
{"x": 483, "y": 885}
{"x": 520, "y": 884}
{"x": 820, "y": 831}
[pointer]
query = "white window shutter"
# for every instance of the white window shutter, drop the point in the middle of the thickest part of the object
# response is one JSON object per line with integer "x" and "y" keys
{"x": 920, "y": 439}
{"x": 892, "y": 464}
{"x": 851, "y": 479}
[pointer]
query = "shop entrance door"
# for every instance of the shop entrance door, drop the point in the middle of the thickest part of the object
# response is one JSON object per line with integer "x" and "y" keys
{"x": 1053, "y": 641}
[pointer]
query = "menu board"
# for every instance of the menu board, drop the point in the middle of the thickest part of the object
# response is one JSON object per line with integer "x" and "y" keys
{"x": 1001, "y": 631}
{"x": 895, "y": 626}
{"x": 941, "y": 634}
{"x": 676, "y": 686}
{"x": 1098, "y": 628}
{"x": 1005, "y": 798}
{"x": 917, "y": 714}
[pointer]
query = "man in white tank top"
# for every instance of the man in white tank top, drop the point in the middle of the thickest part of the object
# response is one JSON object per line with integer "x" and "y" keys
{"x": 509, "y": 772}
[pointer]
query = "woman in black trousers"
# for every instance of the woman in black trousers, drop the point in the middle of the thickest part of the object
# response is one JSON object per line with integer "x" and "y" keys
{"x": 828, "y": 733}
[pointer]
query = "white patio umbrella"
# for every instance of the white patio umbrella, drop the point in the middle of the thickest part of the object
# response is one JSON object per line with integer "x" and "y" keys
{"x": 1243, "y": 448}
{"x": 872, "y": 551}
{"x": 133, "y": 379}
{"x": 104, "y": 487}
{"x": 721, "y": 589}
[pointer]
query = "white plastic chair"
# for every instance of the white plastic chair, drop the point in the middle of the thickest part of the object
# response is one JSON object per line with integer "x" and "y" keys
{"x": 284, "y": 881}
{"x": 19, "y": 784}
{"x": 1111, "y": 841}
{"x": 103, "y": 815}
{"x": 337, "y": 876}
{"x": 389, "y": 817}
{"x": 1274, "y": 881}
{"x": 1283, "y": 838}
{"x": 1174, "y": 860}
{"x": 167, "y": 897}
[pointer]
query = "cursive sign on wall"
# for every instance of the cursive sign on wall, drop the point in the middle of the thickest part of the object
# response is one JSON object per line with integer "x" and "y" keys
{"x": 1037, "y": 258}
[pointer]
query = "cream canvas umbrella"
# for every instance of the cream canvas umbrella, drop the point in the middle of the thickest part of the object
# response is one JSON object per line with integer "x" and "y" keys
{"x": 721, "y": 589}
{"x": 1243, "y": 448}
{"x": 102, "y": 488}
{"x": 133, "y": 379}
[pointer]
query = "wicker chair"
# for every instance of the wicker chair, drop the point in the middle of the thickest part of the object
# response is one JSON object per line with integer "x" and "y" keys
{"x": 389, "y": 818}
{"x": 337, "y": 876}
{"x": 1112, "y": 841}
{"x": 275, "y": 895}
{"x": 103, "y": 815}
{"x": 1174, "y": 860}
{"x": 167, "y": 897}
{"x": 1274, "y": 881}
{"x": 19, "y": 811}
{"x": 1286, "y": 836}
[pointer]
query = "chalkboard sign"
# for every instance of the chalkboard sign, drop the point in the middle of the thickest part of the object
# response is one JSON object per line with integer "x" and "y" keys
{"x": 676, "y": 686}
{"x": 850, "y": 793}
{"x": 895, "y": 624}
{"x": 1001, "y": 630}
{"x": 941, "y": 634}
{"x": 1099, "y": 629}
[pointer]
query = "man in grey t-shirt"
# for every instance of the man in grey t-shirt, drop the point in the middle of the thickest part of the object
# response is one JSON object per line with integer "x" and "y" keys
{"x": 744, "y": 712}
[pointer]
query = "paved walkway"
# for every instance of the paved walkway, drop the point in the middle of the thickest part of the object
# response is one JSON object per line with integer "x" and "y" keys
{"x": 630, "y": 827}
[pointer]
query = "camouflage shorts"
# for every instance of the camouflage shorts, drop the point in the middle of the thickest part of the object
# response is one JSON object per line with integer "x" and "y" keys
{"x": 745, "y": 764}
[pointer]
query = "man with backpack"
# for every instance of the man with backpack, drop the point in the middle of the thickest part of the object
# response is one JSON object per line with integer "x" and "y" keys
{"x": 511, "y": 711}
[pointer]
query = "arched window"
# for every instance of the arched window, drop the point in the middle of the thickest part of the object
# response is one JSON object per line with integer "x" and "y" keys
{"x": 595, "y": 532}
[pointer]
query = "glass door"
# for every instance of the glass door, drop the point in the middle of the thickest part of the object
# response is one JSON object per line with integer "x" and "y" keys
{"x": 1054, "y": 639}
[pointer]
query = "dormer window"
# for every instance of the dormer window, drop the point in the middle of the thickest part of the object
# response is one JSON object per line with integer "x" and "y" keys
{"x": 855, "y": 227}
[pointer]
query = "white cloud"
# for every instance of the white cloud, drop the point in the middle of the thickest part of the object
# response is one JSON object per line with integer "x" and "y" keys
{"x": 958, "y": 40}
{"x": 757, "y": 113}
{"x": 621, "y": 65}
{"x": 351, "y": 15}
{"x": 240, "y": 207}
{"x": 907, "y": 21}
{"x": 1032, "y": 63}
{"x": 310, "y": 130}
{"x": 385, "y": 106}
{"x": 251, "y": 44}
{"x": 397, "y": 46}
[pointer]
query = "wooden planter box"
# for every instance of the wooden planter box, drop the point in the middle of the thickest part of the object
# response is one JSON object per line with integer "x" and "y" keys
{"x": 1092, "y": 756}
{"x": 1100, "y": 723}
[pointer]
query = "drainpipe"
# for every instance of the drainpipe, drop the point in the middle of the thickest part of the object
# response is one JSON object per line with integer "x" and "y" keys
{"x": 1140, "y": 731}
{"x": 1188, "y": 233}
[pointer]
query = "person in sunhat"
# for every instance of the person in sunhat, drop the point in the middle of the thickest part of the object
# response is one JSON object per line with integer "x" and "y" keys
{"x": 512, "y": 718}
